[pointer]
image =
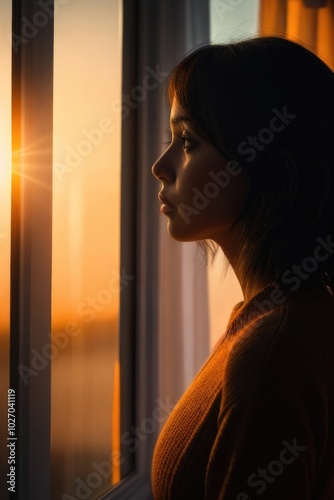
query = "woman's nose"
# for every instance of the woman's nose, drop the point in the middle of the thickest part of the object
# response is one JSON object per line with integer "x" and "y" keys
{"x": 162, "y": 169}
{"x": 155, "y": 170}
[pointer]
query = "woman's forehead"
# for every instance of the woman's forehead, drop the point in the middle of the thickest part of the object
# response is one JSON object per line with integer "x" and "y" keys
{"x": 178, "y": 114}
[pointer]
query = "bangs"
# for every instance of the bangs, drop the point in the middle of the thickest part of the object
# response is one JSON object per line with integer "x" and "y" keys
{"x": 187, "y": 85}
{"x": 179, "y": 83}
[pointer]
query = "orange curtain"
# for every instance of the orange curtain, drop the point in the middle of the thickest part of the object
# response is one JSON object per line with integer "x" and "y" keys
{"x": 312, "y": 27}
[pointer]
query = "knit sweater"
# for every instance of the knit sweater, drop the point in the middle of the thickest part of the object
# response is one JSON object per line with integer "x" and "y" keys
{"x": 258, "y": 419}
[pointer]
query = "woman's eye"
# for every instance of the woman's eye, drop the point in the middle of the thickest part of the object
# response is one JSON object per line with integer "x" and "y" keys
{"x": 186, "y": 143}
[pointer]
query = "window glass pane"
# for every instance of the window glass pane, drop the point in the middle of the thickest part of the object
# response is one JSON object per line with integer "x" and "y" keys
{"x": 5, "y": 213}
{"x": 85, "y": 424}
{"x": 233, "y": 20}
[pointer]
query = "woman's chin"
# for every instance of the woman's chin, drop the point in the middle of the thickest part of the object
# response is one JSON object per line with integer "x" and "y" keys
{"x": 182, "y": 234}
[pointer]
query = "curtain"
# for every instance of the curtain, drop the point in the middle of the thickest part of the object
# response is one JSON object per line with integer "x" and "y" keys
{"x": 184, "y": 335}
{"x": 313, "y": 27}
{"x": 177, "y": 314}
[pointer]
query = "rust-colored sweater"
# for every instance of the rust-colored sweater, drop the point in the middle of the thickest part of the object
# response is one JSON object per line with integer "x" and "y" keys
{"x": 258, "y": 419}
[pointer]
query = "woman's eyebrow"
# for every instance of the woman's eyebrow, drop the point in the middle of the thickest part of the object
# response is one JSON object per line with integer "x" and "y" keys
{"x": 180, "y": 118}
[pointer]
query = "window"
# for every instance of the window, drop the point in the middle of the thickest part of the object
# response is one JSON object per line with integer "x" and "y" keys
{"x": 73, "y": 309}
{"x": 87, "y": 280}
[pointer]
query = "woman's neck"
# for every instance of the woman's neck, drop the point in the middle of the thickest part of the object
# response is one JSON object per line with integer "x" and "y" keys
{"x": 231, "y": 247}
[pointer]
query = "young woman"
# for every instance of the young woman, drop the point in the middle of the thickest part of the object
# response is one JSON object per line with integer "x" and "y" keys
{"x": 250, "y": 171}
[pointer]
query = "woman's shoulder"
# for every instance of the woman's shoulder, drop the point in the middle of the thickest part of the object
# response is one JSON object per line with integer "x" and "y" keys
{"x": 288, "y": 349}
{"x": 296, "y": 319}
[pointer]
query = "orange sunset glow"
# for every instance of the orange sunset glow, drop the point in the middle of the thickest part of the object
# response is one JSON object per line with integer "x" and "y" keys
{"x": 86, "y": 243}
{"x": 5, "y": 170}
{"x": 5, "y": 213}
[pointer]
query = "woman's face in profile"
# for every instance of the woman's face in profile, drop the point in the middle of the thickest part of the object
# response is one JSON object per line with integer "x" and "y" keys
{"x": 202, "y": 193}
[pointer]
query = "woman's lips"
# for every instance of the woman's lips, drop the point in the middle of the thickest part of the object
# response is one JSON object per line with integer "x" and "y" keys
{"x": 165, "y": 209}
{"x": 166, "y": 206}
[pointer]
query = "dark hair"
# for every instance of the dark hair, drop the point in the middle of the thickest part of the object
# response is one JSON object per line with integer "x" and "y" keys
{"x": 233, "y": 92}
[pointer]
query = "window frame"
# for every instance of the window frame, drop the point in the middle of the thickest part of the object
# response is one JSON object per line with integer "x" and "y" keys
{"x": 31, "y": 254}
{"x": 30, "y": 304}
{"x": 138, "y": 339}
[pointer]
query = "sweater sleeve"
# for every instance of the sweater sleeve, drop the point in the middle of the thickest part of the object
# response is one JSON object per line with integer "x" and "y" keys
{"x": 264, "y": 446}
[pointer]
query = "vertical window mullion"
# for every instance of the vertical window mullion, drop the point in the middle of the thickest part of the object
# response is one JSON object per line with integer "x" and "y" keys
{"x": 32, "y": 87}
